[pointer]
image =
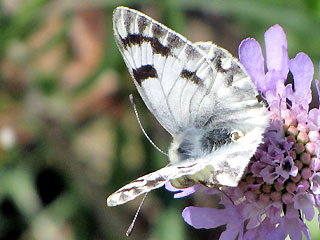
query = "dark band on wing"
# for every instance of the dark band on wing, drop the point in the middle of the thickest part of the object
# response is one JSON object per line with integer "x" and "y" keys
{"x": 191, "y": 76}
{"x": 174, "y": 41}
{"x": 138, "y": 39}
{"x": 158, "y": 31}
{"x": 137, "y": 180}
{"x": 144, "y": 72}
{"x": 138, "y": 189}
{"x": 155, "y": 182}
{"x": 142, "y": 23}
{"x": 189, "y": 166}
{"x": 230, "y": 72}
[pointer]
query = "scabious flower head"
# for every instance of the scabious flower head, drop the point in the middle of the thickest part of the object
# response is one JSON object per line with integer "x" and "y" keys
{"x": 281, "y": 185}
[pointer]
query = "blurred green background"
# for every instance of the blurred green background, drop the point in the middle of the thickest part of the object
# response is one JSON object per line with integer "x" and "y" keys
{"x": 68, "y": 135}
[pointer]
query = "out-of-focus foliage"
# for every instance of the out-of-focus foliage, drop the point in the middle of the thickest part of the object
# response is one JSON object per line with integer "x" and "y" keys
{"x": 68, "y": 136}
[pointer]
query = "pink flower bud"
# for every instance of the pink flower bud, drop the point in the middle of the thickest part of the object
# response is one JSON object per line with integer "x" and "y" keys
{"x": 287, "y": 198}
{"x": 264, "y": 198}
{"x": 305, "y": 158}
{"x": 299, "y": 148}
{"x": 298, "y": 164}
{"x": 302, "y": 127}
{"x": 293, "y": 155}
{"x": 250, "y": 179}
{"x": 291, "y": 187}
{"x": 291, "y": 139}
{"x": 311, "y": 148}
{"x": 250, "y": 196}
{"x": 266, "y": 188}
{"x": 278, "y": 186}
{"x": 292, "y": 130}
{"x": 259, "y": 180}
{"x": 296, "y": 178}
{"x": 275, "y": 196}
{"x": 313, "y": 136}
{"x": 306, "y": 173}
{"x": 303, "y": 137}
{"x": 243, "y": 186}
{"x": 303, "y": 185}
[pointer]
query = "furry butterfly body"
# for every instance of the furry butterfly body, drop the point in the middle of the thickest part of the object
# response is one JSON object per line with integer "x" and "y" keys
{"x": 200, "y": 94}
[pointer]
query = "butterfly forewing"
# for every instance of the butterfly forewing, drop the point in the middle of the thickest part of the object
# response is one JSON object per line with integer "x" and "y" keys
{"x": 167, "y": 69}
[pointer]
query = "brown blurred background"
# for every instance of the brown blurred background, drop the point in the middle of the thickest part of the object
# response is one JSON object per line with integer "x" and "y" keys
{"x": 68, "y": 135}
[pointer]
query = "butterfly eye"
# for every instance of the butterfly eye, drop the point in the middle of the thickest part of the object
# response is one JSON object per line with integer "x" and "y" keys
{"x": 236, "y": 135}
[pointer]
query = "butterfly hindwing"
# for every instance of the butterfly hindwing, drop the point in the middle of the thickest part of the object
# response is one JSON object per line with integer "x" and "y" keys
{"x": 223, "y": 167}
{"x": 232, "y": 98}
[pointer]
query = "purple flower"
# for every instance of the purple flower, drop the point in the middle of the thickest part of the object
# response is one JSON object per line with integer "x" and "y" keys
{"x": 281, "y": 186}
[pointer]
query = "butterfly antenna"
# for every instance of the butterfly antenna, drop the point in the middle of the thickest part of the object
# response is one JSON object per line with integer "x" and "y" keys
{"x": 130, "y": 228}
{"x": 133, "y": 103}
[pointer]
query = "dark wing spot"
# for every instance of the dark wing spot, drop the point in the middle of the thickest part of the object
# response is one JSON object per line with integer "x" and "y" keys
{"x": 136, "y": 191}
{"x": 132, "y": 39}
{"x": 158, "y": 48}
{"x": 229, "y": 79}
{"x": 158, "y": 31}
{"x": 125, "y": 190}
{"x": 138, "y": 180}
{"x": 189, "y": 166}
{"x": 128, "y": 19}
{"x": 192, "y": 52}
{"x": 144, "y": 72}
{"x": 174, "y": 41}
{"x": 138, "y": 39}
{"x": 216, "y": 60}
{"x": 191, "y": 76}
{"x": 142, "y": 23}
{"x": 155, "y": 182}
{"x": 231, "y": 72}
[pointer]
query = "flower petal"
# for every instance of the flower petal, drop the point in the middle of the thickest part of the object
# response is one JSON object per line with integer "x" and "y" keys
{"x": 315, "y": 183}
{"x": 276, "y": 50}
{"x": 317, "y": 87}
{"x": 314, "y": 118}
{"x": 181, "y": 192}
{"x": 305, "y": 202}
{"x": 251, "y": 57}
{"x": 231, "y": 232}
{"x": 187, "y": 191}
{"x": 302, "y": 70}
{"x": 204, "y": 217}
{"x": 272, "y": 78}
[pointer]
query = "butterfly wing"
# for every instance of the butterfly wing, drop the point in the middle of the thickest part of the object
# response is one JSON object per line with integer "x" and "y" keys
{"x": 232, "y": 99}
{"x": 168, "y": 70}
{"x": 189, "y": 85}
{"x": 222, "y": 167}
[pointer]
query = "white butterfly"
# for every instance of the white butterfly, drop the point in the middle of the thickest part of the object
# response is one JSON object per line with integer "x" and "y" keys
{"x": 200, "y": 94}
